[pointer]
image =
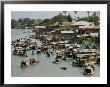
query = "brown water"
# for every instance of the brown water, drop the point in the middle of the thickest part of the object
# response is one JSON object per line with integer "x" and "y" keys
{"x": 45, "y": 68}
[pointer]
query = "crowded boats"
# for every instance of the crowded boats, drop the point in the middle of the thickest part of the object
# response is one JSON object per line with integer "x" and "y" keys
{"x": 81, "y": 55}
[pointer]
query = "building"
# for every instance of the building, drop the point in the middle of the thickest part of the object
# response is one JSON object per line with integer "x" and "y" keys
{"x": 80, "y": 23}
{"x": 39, "y": 30}
{"x": 53, "y": 26}
{"x": 67, "y": 35}
{"x": 91, "y": 28}
{"x": 85, "y": 27}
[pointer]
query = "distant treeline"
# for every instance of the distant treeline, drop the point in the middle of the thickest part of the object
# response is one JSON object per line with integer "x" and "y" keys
{"x": 93, "y": 18}
{"x": 61, "y": 17}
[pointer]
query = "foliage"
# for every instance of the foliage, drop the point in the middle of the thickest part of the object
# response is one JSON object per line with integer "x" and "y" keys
{"x": 60, "y": 18}
{"x": 22, "y": 23}
{"x": 93, "y": 18}
{"x": 69, "y": 18}
{"x": 27, "y": 22}
{"x": 14, "y": 23}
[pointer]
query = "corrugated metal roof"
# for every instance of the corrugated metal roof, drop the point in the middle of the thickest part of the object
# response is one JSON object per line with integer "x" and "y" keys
{"x": 40, "y": 27}
{"x": 94, "y": 34}
{"x": 90, "y": 26}
{"x": 67, "y": 31}
{"x": 81, "y": 23}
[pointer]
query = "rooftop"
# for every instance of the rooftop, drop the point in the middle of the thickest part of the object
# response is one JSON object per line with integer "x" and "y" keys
{"x": 82, "y": 23}
{"x": 40, "y": 27}
{"x": 90, "y": 26}
{"x": 67, "y": 31}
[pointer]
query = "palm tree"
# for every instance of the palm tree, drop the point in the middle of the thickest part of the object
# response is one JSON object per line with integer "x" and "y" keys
{"x": 98, "y": 13}
{"x": 94, "y": 13}
{"x": 65, "y": 12}
{"x": 88, "y": 13}
{"x": 75, "y": 15}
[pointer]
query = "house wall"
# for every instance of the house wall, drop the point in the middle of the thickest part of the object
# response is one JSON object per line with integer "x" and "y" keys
{"x": 67, "y": 36}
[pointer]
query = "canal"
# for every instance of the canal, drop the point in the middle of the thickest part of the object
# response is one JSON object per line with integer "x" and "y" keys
{"x": 45, "y": 68}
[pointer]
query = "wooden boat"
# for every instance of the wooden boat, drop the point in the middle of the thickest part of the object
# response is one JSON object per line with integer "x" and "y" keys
{"x": 98, "y": 60}
{"x": 48, "y": 54}
{"x": 32, "y": 47}
{"x": 88, "y": 70}
{"x": 64, "y": 68}
{"x": 24, "y": 64}
{"x": 33, "y": 61}
{"x": 27, "y": 63}
{"x": 19, "y": 51}
{"x": 38, "y": 50}
{"x": 57, "y": 61}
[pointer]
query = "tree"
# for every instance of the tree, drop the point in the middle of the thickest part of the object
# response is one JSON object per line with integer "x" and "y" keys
{"x": 94, "y": 13}
{"x": 69, "y": 18}
{"x": 75, "y": 15}
{"x": 88, "y": 13}
{"x": 60, "y": 14}
{"x": 93, "y": 18}
{"x": 45, "y": 22}
{"x": 65, "y": 12}
{"x": 14, "y": 23}
{"x": 60, "y": 18}
{"x": 20, "y": 20}
{"x": 98, "y": 13}
{"x": 27, "y": 22}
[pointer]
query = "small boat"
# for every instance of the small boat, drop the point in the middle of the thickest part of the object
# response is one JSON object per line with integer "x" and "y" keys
{"x": 30, "y": 62}
{"x": 64, "y": 68}
{"x": 91, "y": 64}
{"x": 59, "y": 58}
{"x": 48, "y": 54}
{"x": 32, "y": 47}
{"x": 57, "y": 61}
{"x": 98, "y": 60}
{"x": 33, "y": 61}
{"x": 88, "y": 70}
{"x": 24, "y": 64}
{"x": 38, "y": 51}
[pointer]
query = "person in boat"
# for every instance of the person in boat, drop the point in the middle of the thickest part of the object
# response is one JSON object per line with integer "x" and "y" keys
{"x": 64, "y": 68}
{"x": 51, "y": 51}
{"x": 32, "y": 52}
{"x": 57, "y": 60}
{"x": 74, "y": 56}
{"x": 38, "y": 60}
{"x": 92, "y": 64}
{"x": 23, "y": 63}
{"x": 33, "y": 60}
{"x": 38, "y": 50}
{"x": 88, "y": 70}
{"x": 48, "y": 54}
{"x": 73, "y": 62}
{"x": 81, "y": 62}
